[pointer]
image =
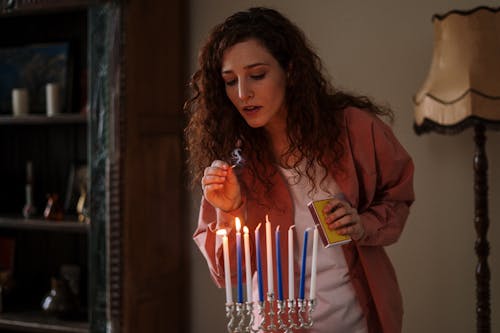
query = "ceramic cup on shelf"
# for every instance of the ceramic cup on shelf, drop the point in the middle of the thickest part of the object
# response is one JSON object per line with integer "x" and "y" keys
{"x": 20, "y": 101}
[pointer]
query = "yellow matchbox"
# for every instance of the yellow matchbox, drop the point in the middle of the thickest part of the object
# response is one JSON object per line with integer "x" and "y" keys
{"x": 328, "y": 236}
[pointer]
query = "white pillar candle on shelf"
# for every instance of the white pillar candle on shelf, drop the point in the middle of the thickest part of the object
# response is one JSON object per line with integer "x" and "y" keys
{"x": 53, "y": 98}
{"x": 20, "y": 101}
{"x": 314, "y": 264}
{"x": 291, "y": 272}
{"x": 227, "y": 267}
{"x": 269, "y": 251}
{"x": 248, "y": 266}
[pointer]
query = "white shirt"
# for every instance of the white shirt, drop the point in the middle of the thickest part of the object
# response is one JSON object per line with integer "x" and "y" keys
{"x": 337, "y": 308}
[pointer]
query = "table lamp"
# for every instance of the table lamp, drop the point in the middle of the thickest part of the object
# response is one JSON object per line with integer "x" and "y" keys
{"x": 462, "y": 90}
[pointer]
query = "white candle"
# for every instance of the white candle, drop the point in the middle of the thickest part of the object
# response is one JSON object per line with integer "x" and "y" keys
{"x": 248, "y": 271}
{"x": 227, "y": 267}
{"x": 291, "y": 277}
{"x": 53, "y": 104}
{"x": 20, "y": 101}
{"x": 269, "y": 249}
{"x": 312, "y": 290}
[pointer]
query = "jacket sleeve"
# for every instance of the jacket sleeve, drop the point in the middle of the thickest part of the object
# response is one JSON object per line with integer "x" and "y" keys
{"x": 385, "y": 175}
{"x": 209, "y": 221}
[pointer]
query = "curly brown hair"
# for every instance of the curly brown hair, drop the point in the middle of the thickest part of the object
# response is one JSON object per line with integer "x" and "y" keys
{"x": 215, "y": 127}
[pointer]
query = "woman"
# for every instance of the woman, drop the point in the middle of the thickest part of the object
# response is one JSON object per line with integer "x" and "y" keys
{"x": 260, "y": 89}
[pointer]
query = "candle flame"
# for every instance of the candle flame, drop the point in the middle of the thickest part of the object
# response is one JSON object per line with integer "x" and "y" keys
{"x": 245, "y": 229}
{"x": 278, "y": 228}
{"x": 291, "y": 227}
{"x": 267, "y": 218}
{"x": 221, "y": 232}
{"x": 238, "y": 224}
{"x": 258, "y": 228}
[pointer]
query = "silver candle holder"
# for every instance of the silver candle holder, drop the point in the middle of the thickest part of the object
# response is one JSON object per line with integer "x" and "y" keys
{"x": 276, "y": 315}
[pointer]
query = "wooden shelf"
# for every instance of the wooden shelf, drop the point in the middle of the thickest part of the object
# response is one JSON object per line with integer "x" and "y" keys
{"x": 65, "y": 118}
{"x": 40, "y": 322}
{"x": 38, "y": 7}
{"x": 16, "y": 222}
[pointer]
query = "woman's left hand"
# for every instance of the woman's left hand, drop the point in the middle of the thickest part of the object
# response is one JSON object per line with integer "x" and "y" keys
{"x": 344, "y": 219}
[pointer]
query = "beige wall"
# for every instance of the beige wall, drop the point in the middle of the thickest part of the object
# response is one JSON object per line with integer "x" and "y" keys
{"x": 383, "y": 49}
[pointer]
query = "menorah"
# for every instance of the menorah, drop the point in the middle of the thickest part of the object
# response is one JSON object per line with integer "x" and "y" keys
{"x": 274, "y": 314}
{"x": 290, "y": 315}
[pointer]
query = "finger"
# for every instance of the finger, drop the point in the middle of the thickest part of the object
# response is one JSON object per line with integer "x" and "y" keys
{"x": 211, "y": 170}
{"x": 214, "y": 171}
{"x": 335, "y": 204}
{"x": 211, "y": 188}
{"x": 339, "y": 213}
{"x": 331, "y": 206}
{"x": 216, "y": 166}
{"x": 342, "y": 222}
{"x": 220, "y": 164}
{"x": 350, "y": 230}
{"x": 209, "y": 179}
{"x": 213, "y": 180}
{"x": 349, "y": 225}
{"x": 356, "y": 231}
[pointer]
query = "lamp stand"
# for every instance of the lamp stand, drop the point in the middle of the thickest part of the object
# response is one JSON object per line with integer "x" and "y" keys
{"x": 481, "y": 224}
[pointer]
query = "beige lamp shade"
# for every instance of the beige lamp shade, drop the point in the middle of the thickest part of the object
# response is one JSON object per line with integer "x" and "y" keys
{"x": 463, "y": 84}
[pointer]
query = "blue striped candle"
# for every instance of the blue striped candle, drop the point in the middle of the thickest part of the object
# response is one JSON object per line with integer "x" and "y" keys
{"x": 239, "y": 271}
{"x": 278, "y": 264}
{"x": 259, "y": 264}
{"x": 303, "y": 268}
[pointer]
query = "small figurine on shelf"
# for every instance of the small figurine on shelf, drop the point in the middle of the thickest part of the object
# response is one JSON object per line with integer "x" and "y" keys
{"x": 81, "y": 206}
{"x": 29, "y": 209}
{"x": 53, "y": 210}
{"x": 60, "y": 300}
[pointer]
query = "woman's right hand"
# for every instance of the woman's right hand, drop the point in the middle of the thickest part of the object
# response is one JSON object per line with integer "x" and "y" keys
{"x": 221, "y": 187}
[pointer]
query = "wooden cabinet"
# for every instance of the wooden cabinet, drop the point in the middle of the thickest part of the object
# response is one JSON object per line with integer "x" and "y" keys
{"x": 122, "y": 120}
{"x": 53, "y": 146}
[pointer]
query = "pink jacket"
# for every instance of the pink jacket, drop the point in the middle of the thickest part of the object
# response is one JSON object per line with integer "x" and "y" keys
{"x": 376, "y": 178}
